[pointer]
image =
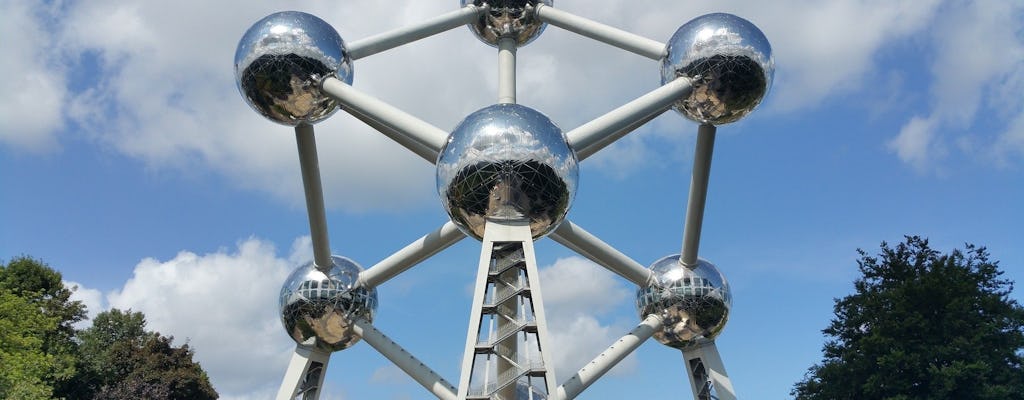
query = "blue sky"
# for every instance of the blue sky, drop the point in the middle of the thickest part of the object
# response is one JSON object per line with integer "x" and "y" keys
{"x": 130, "y": 163}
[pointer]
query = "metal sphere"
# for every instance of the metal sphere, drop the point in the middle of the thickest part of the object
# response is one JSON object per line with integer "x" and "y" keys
{"x": 507, "y": 162}
{"x": 694, "y": 302}
{"x": 730, "y": 62}
{"x": 507, "y": 18}
{"x": 280, "y": 62}
{"x": 318, "y": 307}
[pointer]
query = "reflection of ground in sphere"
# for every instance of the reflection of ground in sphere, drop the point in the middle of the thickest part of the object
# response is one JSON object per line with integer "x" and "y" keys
{"x": 730, "y": 63}
{"x": 506, "y": 162}
{"x": 280, "y": 62}
{"x": 507, "y": 18}
{"x": 320, "y": 306}
{"x": 694, "y": 302}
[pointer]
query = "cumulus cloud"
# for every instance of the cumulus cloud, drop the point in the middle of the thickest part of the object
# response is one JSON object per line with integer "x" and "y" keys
{"x": 223, "y": 304}
{"x": 165, "y": 94}
{"x": 578, "y": 297}
{"x": 978, "y": 77}
{"x": 33, "y": 86}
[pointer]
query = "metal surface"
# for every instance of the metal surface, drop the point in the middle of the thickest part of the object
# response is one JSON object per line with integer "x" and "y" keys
{"x": 280, "y": 61}
{"x": 507, "y": 18}
{"x": 419, "y": 372}
{"x": 698, "y": 193}
{"x": 506, "y": 70}
{"x": 424, "y": 247}
{"x": 305, "y": 374}
{"x": 317, "y": 307}
{"x": 730, "y": 62}
{"x": 310, "y": 167}
{"x": 704, "y": 367}
{"x": 694, "y": 302}
{"x": 610, "y": 35}
{"x": 389, "y": 40}
{"x": 593, "y": 136}
{"x": 395, "y": 120}
{"x": 585, "y": 244}
{"x": 507, "y": 334}
{"x": 506, "y": 162}
{"x": 608, "y": 359}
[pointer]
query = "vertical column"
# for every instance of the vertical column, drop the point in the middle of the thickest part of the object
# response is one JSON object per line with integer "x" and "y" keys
{"x": 305, "y": 374}
{"x": 507, "y": 332}
{"x": 507, "y": 70}
{"x": 706, "y": 371}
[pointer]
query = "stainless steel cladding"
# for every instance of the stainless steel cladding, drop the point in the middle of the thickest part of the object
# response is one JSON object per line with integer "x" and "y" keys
{"x": 318, "y": 305}
{"x": 694, "y": 301}
{"x": 730, "y": 63}
{"x": 507, "y": 19}
{"x": 280, "y": 62}
{"x": 507, "y": 162}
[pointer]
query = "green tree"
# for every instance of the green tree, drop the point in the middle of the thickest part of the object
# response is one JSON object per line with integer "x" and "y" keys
{"x": 43, "y": 287}
{"x": 923, "y": 325}
{"x": 24, "y": 365}
{"x": 122, "y": 360}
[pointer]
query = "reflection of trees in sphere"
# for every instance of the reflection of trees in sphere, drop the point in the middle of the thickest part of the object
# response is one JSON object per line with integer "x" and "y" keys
{"x": 280, "y": 62}
{"x": 730, "y": 62}
{"x": 506, "y": 162}
{"x": 320, "y": 306}
{"x": 507, "y": 18}
{"x": 694, "y": 302}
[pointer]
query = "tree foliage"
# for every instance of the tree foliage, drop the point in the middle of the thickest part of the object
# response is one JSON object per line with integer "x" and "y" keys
{"x": 923, "y": 325}
{"x": 43, "y": 356}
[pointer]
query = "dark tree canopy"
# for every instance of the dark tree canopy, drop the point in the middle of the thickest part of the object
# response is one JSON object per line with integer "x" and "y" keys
{"x": 923, "y": 325}
{"x": 43, "y": 356}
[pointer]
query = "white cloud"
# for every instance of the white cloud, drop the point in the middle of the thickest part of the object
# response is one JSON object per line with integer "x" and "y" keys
{"x": 978, "y": 77}
{"x": 577, "y": 294}
{"x": 92, "y": 299}
{"x": 223, "y": 304}
{"x": 165, "y": 94}
{"x": 33, "y": 86}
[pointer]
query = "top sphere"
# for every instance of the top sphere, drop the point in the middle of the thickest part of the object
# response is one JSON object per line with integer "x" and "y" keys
{"x": 318, "y": 306}
{"x": 729, "y": 61}
{"x": 280, "y": 62}
{"x": 694, "y": 301}
{"x": 507, "y": 162}
{"x": 507, "y": 18}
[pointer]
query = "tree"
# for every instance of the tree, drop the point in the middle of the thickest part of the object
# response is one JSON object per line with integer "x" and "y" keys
{"x": 23, "y": 363}
{"x": 43, "y": 287}
{"x": 922, "y": 325}
{"x": 122, "y": 360}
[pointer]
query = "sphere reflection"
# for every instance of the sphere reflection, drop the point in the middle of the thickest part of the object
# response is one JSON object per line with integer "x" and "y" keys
{"x": 507, "y": 18}
{"x": 730, "y": 62}
{"x": 280, "y": 62}
{"x": 694, "y": 302}
{"x": 320, "y": 306}
{"x": 506, "y": 162}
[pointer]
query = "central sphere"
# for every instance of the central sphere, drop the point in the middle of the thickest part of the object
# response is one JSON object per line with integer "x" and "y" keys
{"x": 280, "y": 62}
{"x": 319, "y": 306}
{"x": 506, "y": 162}
{"x": 507, "y": 18}
{"x": 693, "y": 301}
{"x": 729, "y": 62}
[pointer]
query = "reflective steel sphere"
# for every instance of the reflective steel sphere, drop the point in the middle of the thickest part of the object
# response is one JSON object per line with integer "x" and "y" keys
{"x": 507, "y": 18}
{"x": 506, "y": 162}
{"x": 694, "y": 302}
{"x": 317, "y": 307}
{"x": 280, "y": 62}
{"x": 730, "y": 62}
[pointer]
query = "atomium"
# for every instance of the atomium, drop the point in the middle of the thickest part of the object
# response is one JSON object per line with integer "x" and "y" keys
{"x": 280, "y": 62}
{"x": 318, "y": 306}
{"x": 729, "y": 62}
{"x": 693, "y": 301}
{"x": 507, "y": 19}
{"x": 507, "y": 162}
